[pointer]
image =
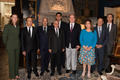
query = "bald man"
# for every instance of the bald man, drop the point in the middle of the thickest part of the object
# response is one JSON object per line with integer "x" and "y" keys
{"x": 56, "y": 47}
{"x": 43, "y": 45}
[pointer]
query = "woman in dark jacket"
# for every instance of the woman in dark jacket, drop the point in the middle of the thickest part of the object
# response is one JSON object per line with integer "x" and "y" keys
{"x": 12, "y": 44}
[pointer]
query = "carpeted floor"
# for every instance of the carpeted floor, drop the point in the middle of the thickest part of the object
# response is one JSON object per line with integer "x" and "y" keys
{"x": 64, "y": 76}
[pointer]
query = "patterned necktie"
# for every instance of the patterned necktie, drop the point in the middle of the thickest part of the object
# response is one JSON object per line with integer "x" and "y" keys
{"x": 71, "y": 28}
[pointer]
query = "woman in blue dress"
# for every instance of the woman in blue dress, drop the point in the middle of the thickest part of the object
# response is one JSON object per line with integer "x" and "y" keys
{"x": 88, "y": 39}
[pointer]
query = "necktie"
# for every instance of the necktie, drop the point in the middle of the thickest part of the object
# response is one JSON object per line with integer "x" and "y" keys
{"x": 30, "y": 32}
{"x": 99, "y": 31}
{"x": 57, "y": 32}
{"x": 45, "y": 29}
{"x": 108, "y": 27}
{"x": 71, "y": 27}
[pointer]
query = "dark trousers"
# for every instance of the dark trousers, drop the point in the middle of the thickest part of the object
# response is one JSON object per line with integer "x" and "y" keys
{"x": 108, "y": 52}
{"x": 63, "y": 59}
{"x": 31, "y": 61}
{"x": 45, "y": 58}
{"x": 99, "y": 53}
{"x": 56, "y": 61}
{"x": 13, "y": 61}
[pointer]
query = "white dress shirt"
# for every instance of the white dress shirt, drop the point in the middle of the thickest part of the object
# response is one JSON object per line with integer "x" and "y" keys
{"x": 15, "y": 26}
{"x": 30, "y": 30}
{"x": 59, "y": 24}
{"x": 44, "y": 28}
{"x": 72, "y": 25}
{"x": 57, "y": 31}
{"x": 99, "y": 30}
{"x": 110, "y": 26}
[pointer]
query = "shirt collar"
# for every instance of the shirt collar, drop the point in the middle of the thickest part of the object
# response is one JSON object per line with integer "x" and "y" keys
{"x": 109, "y": 23}
{"x": 29, "y": 27}
{"x": 56, "y": 29}
{"x": 72, "y": 23}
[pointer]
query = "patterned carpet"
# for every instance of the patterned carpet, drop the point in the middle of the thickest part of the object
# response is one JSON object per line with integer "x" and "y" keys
{"x": 64, "y": 76}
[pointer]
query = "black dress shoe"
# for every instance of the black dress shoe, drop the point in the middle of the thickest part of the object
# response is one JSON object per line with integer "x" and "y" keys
{"x": 63, "y": 66}
{"x": 52, "y": 74}
{"x": 41, "y": 74}
{"x": 29, "y": 76}
{"x": 92, "y": 71}
{"x": 100, "y": 73}
{"x": 74, "y": 72}
{"x": 107, "y": 71}
{"x": 36, "y": 74}
{"x": 59, "y": 73}
{"x": 47, "y": 70}
{"x": 67, "y": 71}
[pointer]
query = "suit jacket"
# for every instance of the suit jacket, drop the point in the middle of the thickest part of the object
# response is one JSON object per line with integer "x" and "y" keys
{"x": 63, "y": 25}
{"x": 56, "y": 43}
{"x": 103, "y": 36}
{"x": 27, "y": 42}
{"x": 112, "y": 34}
{"x": 43, "y": 38}
{"x": 72, "y": 37}
{"x": 11, "y": 37}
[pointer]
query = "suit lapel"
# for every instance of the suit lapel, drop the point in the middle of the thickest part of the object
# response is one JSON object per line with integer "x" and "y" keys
{"x": 54, "y": 32}
{"x": 69, "y": 26}
{"x": 33, "y": 31}
{"x": 97, "y": 32}
{"x": 26, "y": 30}
{"x": 102, "y": 32}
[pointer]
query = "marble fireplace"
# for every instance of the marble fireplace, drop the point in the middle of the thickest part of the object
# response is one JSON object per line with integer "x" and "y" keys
{"x": 48, "y": 8}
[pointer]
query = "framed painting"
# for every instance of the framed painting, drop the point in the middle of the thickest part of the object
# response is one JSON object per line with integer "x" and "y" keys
{"x": 29, "y": 8}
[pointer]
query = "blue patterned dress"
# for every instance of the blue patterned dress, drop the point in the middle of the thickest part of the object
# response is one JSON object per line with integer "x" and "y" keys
{"x": 88, "y": 39}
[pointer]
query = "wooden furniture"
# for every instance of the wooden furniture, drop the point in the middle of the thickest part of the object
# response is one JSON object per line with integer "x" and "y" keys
{"x": 117, "y": 51}
{"x": 115, "y": 59}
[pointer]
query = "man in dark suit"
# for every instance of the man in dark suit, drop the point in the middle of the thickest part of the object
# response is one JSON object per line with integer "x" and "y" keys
{"x": 29, "y": 47}
{"x": 101, "y": 42}
{"x": 62, "y": 26}
{"x": 72, "y": 44}
{"x": 43, "y": 45}
{"x": 56, "y": 47}
{"x": 112, "y": 34}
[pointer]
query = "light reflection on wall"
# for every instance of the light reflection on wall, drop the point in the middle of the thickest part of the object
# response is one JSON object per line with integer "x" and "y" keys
{"x": 5, "y": 10}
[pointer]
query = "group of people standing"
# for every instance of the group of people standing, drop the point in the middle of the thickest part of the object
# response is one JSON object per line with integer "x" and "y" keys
{"x": 59, "y": 45}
